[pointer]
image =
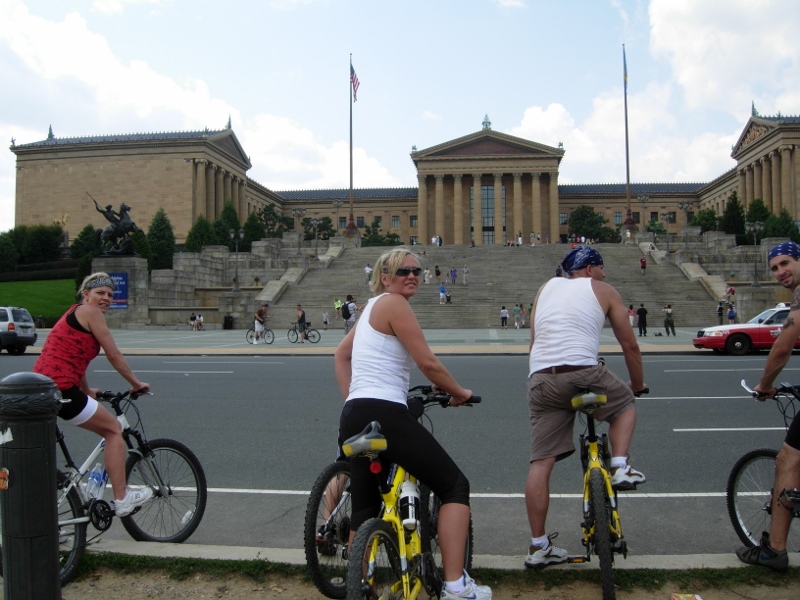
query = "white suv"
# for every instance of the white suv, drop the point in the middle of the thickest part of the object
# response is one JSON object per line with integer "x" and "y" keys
{"x": 17, "y": 330}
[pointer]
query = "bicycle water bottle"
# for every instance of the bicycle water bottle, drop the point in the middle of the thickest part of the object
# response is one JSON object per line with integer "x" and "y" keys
{"x": 409, "y": 505}
{"x": 97, "y": 479}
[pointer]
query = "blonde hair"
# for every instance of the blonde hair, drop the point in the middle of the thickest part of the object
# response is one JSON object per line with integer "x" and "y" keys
{"x": 388, "y": 263}
{"x": 99, "y": 279}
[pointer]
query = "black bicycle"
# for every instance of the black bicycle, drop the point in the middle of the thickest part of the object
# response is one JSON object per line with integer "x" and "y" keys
{"x": 312, "y": 335}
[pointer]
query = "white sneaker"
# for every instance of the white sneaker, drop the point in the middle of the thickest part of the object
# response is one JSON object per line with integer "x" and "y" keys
{"x": 626, "y": 478}
{"x": 471, "y": 591}
{"x": 133, "y": 499}
{"x": 539, "y": 559}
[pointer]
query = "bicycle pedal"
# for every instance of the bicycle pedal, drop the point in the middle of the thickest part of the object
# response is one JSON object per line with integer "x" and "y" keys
{"x": 577, "y": 560}
{"x": 624, "y": 487}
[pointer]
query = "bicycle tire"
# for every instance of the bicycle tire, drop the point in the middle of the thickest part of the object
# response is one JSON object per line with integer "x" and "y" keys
{"x": 602, "y": 532}
{"x": 173, "y": 514}
{"x": 429, "y": 523}
{"x": 269, "y": 336}
{"x": 250, "y": 336}
{"x": 381, "y": 574}
{"x": 72, "y": 537}
{"x": 748, "y": 496}
{"x": 313, "y": 336}
{"x": 326, "y": 558}
{"x": 292, "y": 335}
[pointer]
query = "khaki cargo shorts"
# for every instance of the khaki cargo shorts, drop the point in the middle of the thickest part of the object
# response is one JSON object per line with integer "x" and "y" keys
{"x": 551, "y": 413}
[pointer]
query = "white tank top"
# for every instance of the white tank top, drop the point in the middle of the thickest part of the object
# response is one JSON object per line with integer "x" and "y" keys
{"x": 381, "y": 365}
{"x": 567, "y": 324}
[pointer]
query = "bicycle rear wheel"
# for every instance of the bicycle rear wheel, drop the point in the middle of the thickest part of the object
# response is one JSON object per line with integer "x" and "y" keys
{"x": 749, "y": 498}
{"x": 250, "y": 336}
{"x": 375, "y": 568}
{"x": 269, "y": 337}
{"x": 313, "y": 336}
{"x": 292, "y": 335}
{"x": 602, "y": 532}
{"x": 178, "y": 482}
{"x": 327, "y": 529}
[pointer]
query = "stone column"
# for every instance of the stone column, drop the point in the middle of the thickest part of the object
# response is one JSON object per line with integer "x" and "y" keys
{"x": 235, "y": 198}
{"x": 554, "y": 227}
{"x": 536, "y": 204}
{"x": 200, "y": 188}
{"x": 219, "y": 200}
{"x": 498, "y": 209}
{"x": 210, "y": 192}
{"x": 766, "y": 184}
{"x": 458, "y": 211}
{"x": 775, "y": 188}
{"x": 438, "y": 203}
{"x": 742, "y": 186}
{"x": 241, "y": 186}
{"x": 228, "y": 193}
{"x": 422, "y": 209}
{"x": 787, "y": 199}
{"x": 519, "y": 226}
{"x": 477, "y": 213}
{"x": 758, "y": 192}
{"x": 748, "y": 186}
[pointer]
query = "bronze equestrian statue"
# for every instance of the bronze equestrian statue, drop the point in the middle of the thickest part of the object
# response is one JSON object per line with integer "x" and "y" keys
{"x": 115, "y": 238}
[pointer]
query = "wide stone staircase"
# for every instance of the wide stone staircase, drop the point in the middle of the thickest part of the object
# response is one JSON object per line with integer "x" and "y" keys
{"x": 499, "y": 276}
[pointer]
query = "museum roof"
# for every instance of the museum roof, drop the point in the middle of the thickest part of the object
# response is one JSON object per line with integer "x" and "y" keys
{"x": 636, "y": 188}
{"x": 123, "y": 137}
{"x": 358, "y": 194}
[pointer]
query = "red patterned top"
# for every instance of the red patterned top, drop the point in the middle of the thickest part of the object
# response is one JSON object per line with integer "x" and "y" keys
{"x": 67, "y": 352}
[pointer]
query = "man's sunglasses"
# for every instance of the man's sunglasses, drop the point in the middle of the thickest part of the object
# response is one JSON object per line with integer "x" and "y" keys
{"x": 406, "y": 271}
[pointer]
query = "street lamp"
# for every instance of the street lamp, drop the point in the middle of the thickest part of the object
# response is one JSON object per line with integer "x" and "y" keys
{"x": 755, "y": 229}
{"x": 315, "y": 221}
{"x": 298, "y": 212}
{"x": 236, "y": 236}
{"x": 665, "y": 216}
{"x": 686, "y": 206}
{"x": 337, "y": 204}
{"x": 643, "y": 199}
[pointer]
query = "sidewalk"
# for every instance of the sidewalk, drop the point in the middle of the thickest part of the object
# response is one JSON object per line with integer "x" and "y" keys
{"x": 158, "y": 341}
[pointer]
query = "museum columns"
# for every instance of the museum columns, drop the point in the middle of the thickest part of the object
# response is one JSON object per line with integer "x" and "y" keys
{"x": 536, "y": 203}
{"x": 219, "y": 197}
{"x": 477, "y": 213}
{"x": 458, "y": 211}
{"x": 787, "y": 196}
{"x": 517, "y": 191}
{"x": 775, "y": 183}
{"x": 438, "y": 200}
{"x": 210, "y": 177}
{"x": 498, "y": 209}
{"x": 757, "y": 180}
{"x": 422, "y": 205}
{"x": 199, "y": 189}
{"x": 554, "y": 224}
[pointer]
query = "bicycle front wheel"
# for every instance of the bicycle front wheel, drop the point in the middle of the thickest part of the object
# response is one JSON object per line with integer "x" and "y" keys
{"x": 327, "y": 529}
{"x": 250, "y": 336}
{"x": 292, "y": 335}
{"x": 375, "y": 568}
{"x": 180, "y": 492}
{"x": 602, "y": 532}
{"x": 313, "y": 336}
{"x": 749, "y": 498}
{"x": 269, "y": 337}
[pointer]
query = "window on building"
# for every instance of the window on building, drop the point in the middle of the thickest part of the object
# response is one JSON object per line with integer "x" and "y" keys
{"x": 360, "y": 222}
{"x": 414, "y": 241}
{"x": 636, "y": 217}
{"x": 689, "y": 217}
{"x": 342, "y": 222}
{"x": 562, "y": 218}
{"x": 396, "y": 221}
{"x": 487, "y": 235}
{"x": 672, "y": 217}
{"x": 654, "y": 216}
{"x": 601, "y": 215}
{"x": 412, "y": 221}
{"x": 617, "y": 218}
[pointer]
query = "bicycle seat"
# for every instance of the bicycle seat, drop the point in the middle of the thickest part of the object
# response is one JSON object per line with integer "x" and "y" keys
{"x": 369, "y": 440}
{"x": 589, "y": 401}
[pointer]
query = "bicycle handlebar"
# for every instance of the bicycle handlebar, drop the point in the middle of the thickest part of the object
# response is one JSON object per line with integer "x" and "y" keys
{"x": 109, "y": 396}
{"x": 643, "y": 391}
{"x": 429, "y": 396}
{"x": 784, "y": 388}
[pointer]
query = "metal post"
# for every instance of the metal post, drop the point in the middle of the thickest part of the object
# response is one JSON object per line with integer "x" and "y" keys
{"x": 665, "y": 217}
{"x": 686, "y": 206}
{"x": 315, "y": 222}
{"x": 337, "y": 204}
{"x": 236, "y": 237}
{"x": 755, "y": 228}
{"x": 29, "y": 403}
{"x": 643, "y": 199}
{"x": 299, "y": 212}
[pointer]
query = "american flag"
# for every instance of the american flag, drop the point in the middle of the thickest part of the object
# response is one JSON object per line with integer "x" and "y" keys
{"x": 354, "y": 82}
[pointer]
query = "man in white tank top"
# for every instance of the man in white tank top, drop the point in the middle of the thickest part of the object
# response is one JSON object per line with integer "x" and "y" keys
{"x": 567, "y": 318}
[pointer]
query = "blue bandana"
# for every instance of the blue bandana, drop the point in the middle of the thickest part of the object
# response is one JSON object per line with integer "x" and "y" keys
{"x": 581, "y": 257}
{"x": 785, "y": 249}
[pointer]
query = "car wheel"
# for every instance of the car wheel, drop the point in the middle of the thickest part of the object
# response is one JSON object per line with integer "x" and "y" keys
{"x": 738, "y": 344}
{"x": 16, "y": 350}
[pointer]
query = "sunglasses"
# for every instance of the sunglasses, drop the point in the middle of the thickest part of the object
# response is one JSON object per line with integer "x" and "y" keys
{"x": 406, "y": 271}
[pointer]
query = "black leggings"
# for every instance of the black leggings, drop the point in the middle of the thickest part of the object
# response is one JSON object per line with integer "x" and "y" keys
{"x": 410, "y": 445}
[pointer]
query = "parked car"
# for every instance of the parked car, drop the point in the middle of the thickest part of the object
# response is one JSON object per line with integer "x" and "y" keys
{"x": 759, "y": 333}
{"x": 17, "y": 330}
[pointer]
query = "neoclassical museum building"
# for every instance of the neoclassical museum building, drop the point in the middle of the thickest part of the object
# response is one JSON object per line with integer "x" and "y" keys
{"x": 192, "y": 173}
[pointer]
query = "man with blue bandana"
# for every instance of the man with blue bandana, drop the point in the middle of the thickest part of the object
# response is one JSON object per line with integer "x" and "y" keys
{"x": 566, "y": 320}
{"x": 771, "y": 552}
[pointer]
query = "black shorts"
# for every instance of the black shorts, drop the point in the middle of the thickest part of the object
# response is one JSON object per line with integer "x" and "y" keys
{"x": 793, "y": 434}
{"x": 80, "y": 406}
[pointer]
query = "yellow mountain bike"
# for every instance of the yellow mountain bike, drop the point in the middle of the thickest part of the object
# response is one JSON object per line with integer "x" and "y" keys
{"x": 392, "y": 557}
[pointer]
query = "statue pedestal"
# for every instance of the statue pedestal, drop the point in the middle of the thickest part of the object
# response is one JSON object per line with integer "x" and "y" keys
{"x": 132, "y": 269}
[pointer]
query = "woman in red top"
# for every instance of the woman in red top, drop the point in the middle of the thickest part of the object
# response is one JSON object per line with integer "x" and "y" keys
{"x": 69, "y": 348}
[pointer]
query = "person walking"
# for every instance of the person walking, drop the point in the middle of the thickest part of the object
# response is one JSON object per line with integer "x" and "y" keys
{"x": 643, "y": 265}
{"x": 720, "y": 312}
{"x": 442, "y": 293}
{"x": 337, "y": 306}
{"x": 260, "y": 321}
{"x": 438, "y": 274}
{"x": 731, "y": 314}
{"x": 517, "y": 311}
{"x": 784, "y": 263}
{"x": 503, "y": 318}
{"x": 464, "y": 274}
{"x": 301, "y": 324}
{"x": 349, "y": 309}
{"x": 75, "y": 340}
{"x": 669, "y": 324}
{"x": 453, "y": 274}
{"x": 325, "y": 319}
{"x": 632, "y": 315}
{"x": 641, "y": 313}
{"x": 564, "y": 356}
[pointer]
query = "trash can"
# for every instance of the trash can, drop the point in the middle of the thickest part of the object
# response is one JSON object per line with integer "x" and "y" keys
{"x": 227, "y": 322}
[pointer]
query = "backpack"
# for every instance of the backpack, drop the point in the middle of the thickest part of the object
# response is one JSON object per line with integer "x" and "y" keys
{"x": 346, "y": 314}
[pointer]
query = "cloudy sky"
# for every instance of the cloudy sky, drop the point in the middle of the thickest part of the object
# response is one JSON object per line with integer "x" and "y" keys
{"x": 546, "y": 70}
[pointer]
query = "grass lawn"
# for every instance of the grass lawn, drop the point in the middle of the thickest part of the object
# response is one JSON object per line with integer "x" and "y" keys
{"x": 50, "y": 298}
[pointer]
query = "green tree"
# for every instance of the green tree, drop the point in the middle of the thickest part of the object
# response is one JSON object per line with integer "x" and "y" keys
{"x": 228, "y": 219}
{"x": 585, "y": 222}
{"x": 253, "y": 232}
{"x": 201, "y": 234}
{"x": 757, "y": 211}
{"x": 733, "y": 217}
{"x": 141, "y": 246}
{"x": 87, "y": 242}
{"x": 705, "y": 219}
{"x": 373, "y": 236}
{"x": 45, "y": 243}
{"x": 656, "y": 227}
{"x": 275, "y": 224}
{"x": 8, "y": 254}
{"x": 161, "y": 237}
{"x": 781, "y": 226}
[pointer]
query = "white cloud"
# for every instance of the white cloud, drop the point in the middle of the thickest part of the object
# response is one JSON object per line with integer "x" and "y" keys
{"x": 430, "y": 116}
{"x": 115, "y": 7}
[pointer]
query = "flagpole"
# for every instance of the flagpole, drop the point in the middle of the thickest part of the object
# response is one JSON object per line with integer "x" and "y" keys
{"x": 351, "y": 229}
{"x": 629, "y": 224}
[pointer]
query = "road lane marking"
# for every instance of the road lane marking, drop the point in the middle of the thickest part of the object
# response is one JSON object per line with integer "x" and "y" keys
{"x": 170, "y": 372}
{"x": 704, "y": 429}
{"x": 485, "y": 495}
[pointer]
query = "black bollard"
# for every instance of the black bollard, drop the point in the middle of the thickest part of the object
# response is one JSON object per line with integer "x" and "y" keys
{"x": 29, "y": 403}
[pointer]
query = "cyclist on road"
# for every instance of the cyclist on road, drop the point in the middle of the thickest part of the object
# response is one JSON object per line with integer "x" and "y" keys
{"x": 260, "y": 323}
{"x": 784, "y": 262}
{"x": 566, "y": 320}
{"x": 373, "y": 367}
{"x": 72, "y": 344}
{"x": 301, "y": 323}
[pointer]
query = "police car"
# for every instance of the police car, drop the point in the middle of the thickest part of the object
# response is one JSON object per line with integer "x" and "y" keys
{"x": 759, "y": 333}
